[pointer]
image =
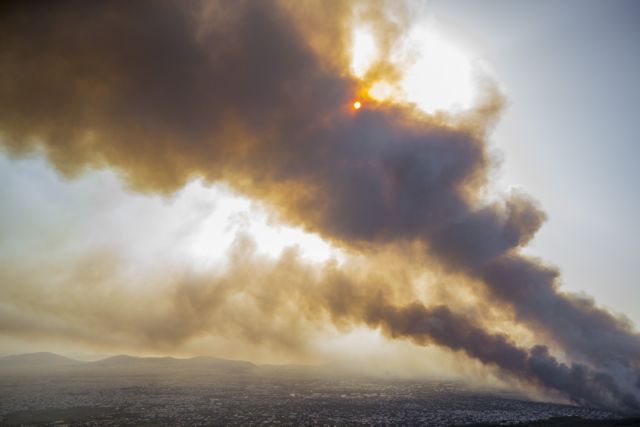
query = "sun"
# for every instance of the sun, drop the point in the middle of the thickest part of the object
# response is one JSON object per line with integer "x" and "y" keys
{"x": 357, "y": 105}
{"x": 436, "y": 74}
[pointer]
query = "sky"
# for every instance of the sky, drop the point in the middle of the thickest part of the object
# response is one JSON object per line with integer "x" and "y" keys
{"x": 570, "y": 73}
{"x": 206, "y": 184}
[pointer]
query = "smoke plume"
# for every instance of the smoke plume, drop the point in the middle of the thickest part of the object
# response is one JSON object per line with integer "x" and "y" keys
{"x": 256, "y": 94}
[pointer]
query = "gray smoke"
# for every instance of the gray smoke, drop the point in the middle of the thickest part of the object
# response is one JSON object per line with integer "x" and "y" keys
{"x": 165, "y": 91}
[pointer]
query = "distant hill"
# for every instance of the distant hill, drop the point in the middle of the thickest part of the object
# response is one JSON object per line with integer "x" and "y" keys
{"x": 125, "y": 364}
{"x": 36, "y": 360}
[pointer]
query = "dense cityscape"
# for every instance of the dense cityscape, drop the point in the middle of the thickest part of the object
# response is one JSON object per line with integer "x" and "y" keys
{"x": 130, "y": 391}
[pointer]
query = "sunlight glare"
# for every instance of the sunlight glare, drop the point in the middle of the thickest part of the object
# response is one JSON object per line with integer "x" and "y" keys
{"x": 441, "y": 76}
{"x": 436, "y": 74}
{"x": 363, "y": 53}
{"x": 234, "y": 214}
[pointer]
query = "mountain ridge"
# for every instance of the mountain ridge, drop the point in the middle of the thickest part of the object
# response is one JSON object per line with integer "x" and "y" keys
{"x": 48, "y": 360}
{"x": 43, "y": 358}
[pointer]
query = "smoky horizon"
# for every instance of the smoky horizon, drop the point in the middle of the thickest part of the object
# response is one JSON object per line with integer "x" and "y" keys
{"x": 285, "y": 182}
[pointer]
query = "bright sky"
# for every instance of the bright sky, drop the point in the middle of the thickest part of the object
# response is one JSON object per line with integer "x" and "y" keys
{"x": 569, "y": 134}
{"x": 570, "y": 72}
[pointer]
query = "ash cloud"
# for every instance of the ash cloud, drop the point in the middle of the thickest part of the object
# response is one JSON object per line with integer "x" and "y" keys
{"x": 242, "y": 93}
{"x": 438, "y": 324}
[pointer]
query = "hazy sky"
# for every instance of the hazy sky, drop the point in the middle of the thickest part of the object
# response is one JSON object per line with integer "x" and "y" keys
{"x": 570, "y": 71}
{"x": 204, "y": 185}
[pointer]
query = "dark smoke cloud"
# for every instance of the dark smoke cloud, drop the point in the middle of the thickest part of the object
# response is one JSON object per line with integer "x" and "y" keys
{"x": 586, "y": 331}
{"x": 441, "y": 326}
{"x": 239, "y": 92}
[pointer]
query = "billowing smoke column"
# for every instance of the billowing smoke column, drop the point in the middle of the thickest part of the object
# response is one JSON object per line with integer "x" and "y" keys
{"x": 583, "y": 384}
{"x": 237, "y": 92}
